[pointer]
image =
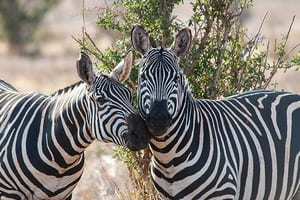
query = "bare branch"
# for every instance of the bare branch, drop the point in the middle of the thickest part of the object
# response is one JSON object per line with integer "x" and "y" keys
{"x": 93, "y": 43}
{"x": 289, "y": 31}
{"x": 241, "y": 10}
{"x": 293, "y": 49}
{"x": 221, "y": 49}
{"x": 281, "y": 58}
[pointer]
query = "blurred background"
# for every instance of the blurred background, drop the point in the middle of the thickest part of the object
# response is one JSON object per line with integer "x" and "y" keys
{"x": 38, "y": 53}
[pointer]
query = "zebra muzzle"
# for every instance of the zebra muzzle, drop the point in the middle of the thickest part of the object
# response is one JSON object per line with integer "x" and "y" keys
{"x": 138, "y": 136}
{"x": 159, "y": 119}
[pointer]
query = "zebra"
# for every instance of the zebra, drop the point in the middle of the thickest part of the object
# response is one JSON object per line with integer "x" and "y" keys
{"x": 244, "y": 147}
{"x": 43, "y": 138}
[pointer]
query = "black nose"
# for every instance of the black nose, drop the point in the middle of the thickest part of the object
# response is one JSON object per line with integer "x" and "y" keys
{"x": 138, "y": 135}
{"x": 159, "y": 119}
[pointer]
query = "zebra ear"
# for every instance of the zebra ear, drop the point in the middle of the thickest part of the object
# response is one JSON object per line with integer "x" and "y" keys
{"x": 140, "y": 39}
{"x": 122, "y": 71}
{"x": 85, "y": 68}
{"x": 182, "y": 42}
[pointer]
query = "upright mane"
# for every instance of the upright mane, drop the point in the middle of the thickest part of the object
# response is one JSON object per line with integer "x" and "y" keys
{"x": 4, "y": 86}
{"x": 66, "y": 89}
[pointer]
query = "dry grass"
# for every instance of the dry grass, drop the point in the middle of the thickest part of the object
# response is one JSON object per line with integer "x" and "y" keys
{"x": 104, "y": 178}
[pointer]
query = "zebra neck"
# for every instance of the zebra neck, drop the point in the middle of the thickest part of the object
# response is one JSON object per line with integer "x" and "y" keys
{"x": 69, "y": 132}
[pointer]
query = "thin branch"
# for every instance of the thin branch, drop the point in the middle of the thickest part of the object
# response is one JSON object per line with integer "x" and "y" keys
{"x": 253, "y": 42}
{"x": 131, "y": 85}
{"x": 93, "y": 43}
{"x": 275, "y": 47}
{"x": 221, "y": 49}
{"x": 95, "y": 54}
{"x": 201, "y": 45}
{"x": 165, "y": 21}
{"x": 281, "y": 58}
{"x": 241, "y": 11}
{"x": 267, "y": 53}
{"x": 83, "y": 29}
{"x": 293, "y": 49}
{"x": 289, "y": 31}
{"x": 261, "y": 24}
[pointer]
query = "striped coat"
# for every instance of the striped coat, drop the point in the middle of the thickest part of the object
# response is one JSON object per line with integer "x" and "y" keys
{"x": 43, "y": 138}
{"x": 244, "y": 147}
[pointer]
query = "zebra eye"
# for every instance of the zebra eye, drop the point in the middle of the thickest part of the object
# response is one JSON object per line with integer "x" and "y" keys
{"x": 176, "y": 78}
{"x": 102, "y": 99}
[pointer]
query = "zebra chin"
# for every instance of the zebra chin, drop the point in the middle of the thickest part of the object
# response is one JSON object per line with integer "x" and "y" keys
{"x": 138, "y": 136}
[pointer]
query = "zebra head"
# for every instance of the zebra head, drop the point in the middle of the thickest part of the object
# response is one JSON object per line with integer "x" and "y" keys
{"x": 161, "y": 82}
{"x": 112, "y": 116}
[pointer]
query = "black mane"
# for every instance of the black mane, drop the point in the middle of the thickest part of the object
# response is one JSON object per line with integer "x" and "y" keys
{"x": 64, "y": 90}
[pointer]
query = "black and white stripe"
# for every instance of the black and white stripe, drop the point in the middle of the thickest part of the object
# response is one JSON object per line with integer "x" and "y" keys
{"x": 244, "y": 147}
{"x": 42, "y": 138}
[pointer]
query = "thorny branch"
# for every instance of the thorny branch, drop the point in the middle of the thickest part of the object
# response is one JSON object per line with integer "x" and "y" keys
{"x": 281, "y": 57}
{"x": 221, "y": 45}
{"x": 248, "y": 51}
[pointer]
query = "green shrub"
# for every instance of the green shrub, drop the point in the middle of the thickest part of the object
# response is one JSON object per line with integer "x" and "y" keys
{"x": 221, "y": 62}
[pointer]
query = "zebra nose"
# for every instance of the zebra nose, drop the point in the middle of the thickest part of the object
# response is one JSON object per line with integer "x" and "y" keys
{"x": 138, "y": 136}
{"x": 159, "y": 110}
{"x": 159, "y": 118}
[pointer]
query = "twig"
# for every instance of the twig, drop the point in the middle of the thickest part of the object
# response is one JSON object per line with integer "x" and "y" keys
{"x": 165, "y": 21}
{"x": 93, "y": 43}
{"x": 83, "y": 29}
{"x": 81, "y": 43}
{"x": 253, "y": 42}
{"x": 242, "y": 9}
{"x": 201, "y": 45}
{"x": 221, "y": 49}
{"x": 281, "y": 58}
{"x": 267, "y": 54}
{"x": 289, "y": 31}
{"x": 262, "y": 23}
{"x": 248, "y": 51}
{"x": 92, "y": 52}
{"x": 132, "y": 85}
{"x": 293, "y": 49}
